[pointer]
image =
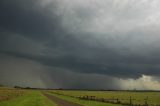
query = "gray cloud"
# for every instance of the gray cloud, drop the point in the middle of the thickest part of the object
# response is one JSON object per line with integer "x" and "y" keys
{"x": 100, "y": 39}
{"x": 18, "y": 71}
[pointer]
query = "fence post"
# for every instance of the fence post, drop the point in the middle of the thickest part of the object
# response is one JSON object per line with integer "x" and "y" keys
{"x": 113, "y": 100}
{"x": 130, "y": 101}
{"x": 146, "y": 101}
{"x": 87, "y": 97}
{"x": 117, "y": 100}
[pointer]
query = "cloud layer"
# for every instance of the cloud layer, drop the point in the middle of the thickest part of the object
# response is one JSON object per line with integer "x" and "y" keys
{"x": 82, "y": 42}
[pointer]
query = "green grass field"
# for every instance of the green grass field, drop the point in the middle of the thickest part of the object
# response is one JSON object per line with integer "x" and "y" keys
{"x": 123, "y": 96}
{"x": 29, "y": 98}
{"x": 18, "y": 97}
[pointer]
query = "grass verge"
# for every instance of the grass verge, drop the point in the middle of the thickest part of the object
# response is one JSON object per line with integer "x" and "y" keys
{"x": 33, "y": 98}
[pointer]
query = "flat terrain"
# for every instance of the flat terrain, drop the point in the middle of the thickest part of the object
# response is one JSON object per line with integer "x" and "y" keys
{"x": 19, "y": 97}
{"x": 16, "y": 97}
{"x": 139, "y": 98}
{"x": 22, "y": 97}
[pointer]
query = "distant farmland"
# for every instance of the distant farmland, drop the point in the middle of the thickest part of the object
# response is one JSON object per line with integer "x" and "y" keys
{"x": 39, "y": 97}
{"x": 121, "y": 97}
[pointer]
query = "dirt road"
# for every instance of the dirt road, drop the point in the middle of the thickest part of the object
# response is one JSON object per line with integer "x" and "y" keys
{"x": 60, "y": 102}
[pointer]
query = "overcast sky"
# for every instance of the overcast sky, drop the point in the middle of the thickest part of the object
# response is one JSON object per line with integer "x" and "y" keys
{"x": 90, "y": 44}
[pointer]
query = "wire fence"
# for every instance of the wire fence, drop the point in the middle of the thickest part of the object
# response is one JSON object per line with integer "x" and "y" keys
{"x": 128, "y": 102}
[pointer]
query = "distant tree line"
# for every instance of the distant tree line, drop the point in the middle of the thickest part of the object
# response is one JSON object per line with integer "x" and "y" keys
{"x": 19, "y": 87}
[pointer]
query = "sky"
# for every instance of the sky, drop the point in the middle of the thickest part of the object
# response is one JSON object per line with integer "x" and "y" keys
{"x": 80, "y": 44}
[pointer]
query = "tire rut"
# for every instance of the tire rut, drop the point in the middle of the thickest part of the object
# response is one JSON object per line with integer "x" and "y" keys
{"x": 60, "y": 102}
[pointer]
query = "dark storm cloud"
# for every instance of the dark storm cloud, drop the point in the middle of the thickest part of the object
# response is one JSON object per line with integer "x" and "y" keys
{"x": 107, "y": 39}
{"x": 31, "y": 73}
{"x": 26, "y": 18}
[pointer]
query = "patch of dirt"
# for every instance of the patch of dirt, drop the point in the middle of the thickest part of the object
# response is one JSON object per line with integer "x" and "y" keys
{"x": 60, "y": 102}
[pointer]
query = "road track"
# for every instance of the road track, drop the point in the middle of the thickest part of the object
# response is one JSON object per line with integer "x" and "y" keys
{"x": 60, "y": 102}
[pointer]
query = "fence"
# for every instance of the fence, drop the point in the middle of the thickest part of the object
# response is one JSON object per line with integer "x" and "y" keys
{"x": 113, "y": 100}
